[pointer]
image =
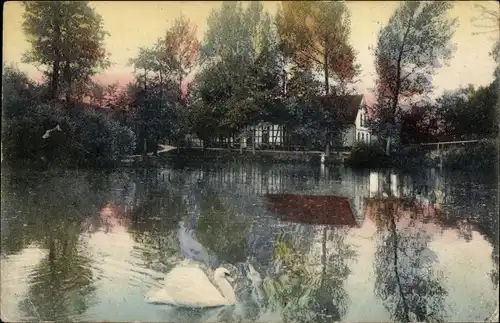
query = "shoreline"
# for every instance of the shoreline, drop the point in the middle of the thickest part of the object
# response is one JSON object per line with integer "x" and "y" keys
{"x": 198, "y": 154}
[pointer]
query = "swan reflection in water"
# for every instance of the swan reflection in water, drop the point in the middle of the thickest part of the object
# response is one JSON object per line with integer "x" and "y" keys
{"x": 192, "y": 248}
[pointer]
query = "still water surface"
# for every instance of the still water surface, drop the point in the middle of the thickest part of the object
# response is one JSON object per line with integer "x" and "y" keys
{"x": 88, "y": 245}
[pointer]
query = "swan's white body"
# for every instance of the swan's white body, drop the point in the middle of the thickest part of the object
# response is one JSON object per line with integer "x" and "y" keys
{"x": 190, "y": 287}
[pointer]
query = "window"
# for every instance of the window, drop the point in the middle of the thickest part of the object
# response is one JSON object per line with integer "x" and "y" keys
{"x": 258, "y": 135}
{"x": 359, "y": 136}
{"x": 265, "y": 135}
{"x": 363, "y": 137}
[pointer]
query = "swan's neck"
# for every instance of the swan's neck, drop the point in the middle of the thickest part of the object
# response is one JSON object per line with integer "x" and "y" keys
{"x": 226, "y": 290}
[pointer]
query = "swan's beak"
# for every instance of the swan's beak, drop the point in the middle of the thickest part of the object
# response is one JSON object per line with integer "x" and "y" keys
{"x": 230, "y": 279}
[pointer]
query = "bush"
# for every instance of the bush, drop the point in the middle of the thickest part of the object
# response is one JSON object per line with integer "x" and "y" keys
{"x": 98, "y": 139}
{"x": 373, "y": 156}
{"x": 482, "y": 155}
{"x": 367, "y": 155}
{"x": 88, "y": 137}
{"x": 410, "y": 157}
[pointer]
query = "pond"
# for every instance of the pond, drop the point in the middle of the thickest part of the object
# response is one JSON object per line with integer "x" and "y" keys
{"x": 89, "y": 245}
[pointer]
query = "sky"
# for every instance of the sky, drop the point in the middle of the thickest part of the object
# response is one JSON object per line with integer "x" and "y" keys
{"x": 133, "y": 24}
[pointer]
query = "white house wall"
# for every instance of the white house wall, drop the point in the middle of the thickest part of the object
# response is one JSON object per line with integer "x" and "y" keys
{"x": 357, "y": 132}
{"x": 362, "y": 131}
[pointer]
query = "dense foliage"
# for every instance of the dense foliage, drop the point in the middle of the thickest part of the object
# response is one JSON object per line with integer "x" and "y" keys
{"x": 294, "y": 69}
{"x": 410, "y": 48}
{"x": 87, "y": 136}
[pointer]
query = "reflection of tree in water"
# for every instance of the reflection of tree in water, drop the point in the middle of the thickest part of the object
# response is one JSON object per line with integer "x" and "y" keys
{"x": 154, "y": 222}
{"x": 487, "y": 224}
{"x": 37, "y": 205}
{"x": 221, "y": 228}
{"x": 307, "y": 292}
{"x": 62, "y": 284}
{"x": 474, "y": 207}
{"x": 404, "y": 277}
{"x": 51, "y": 208}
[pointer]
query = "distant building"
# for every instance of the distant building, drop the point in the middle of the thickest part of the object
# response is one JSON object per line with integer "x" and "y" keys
{"x": 357, "y": 116}
{"x": 267, "y": 135}
{"x": 263, "y": 134}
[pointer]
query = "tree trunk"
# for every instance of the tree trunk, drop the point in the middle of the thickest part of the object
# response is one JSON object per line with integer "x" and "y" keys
{"x": 396, "y": 270}
{"x": 67, "y": 79}
{"x": 395, "y": 97}
{"x": 285, "y": 79}
{"x": 327, "y": 75}
{"x": 55, "y": 77}
{"x": 253, "y": 141}
{"x": 327, "y": 91}
{"x": 144, "y": 143}
{"x": 54, "y": 82}
{"x": 327, "y": 143}
{"x": 144, "y": 128}
{"x": 161, "y": 88}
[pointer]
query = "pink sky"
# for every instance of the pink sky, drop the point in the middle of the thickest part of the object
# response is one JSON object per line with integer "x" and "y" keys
{"x": 109, "y": 78}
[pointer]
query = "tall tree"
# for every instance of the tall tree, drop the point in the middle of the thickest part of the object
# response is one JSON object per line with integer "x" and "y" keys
{"x": 67, "y": 37}
{"x": 469, "y": 113}
{"x": 241, "y": 80}
{"x": 182, "y": 48}
{"x": 315, "y": 34}
{"x": 487, "y": 21}
{"x": 225, "y": 35}
{"x": 158, "y": 113}
{"x": 410, "y": 48}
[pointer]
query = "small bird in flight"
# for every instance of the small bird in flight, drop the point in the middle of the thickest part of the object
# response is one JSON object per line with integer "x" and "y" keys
{"x": 47, "y": 133}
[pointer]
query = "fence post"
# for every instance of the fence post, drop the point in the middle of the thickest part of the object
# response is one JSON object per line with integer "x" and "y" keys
{"x": 440, "y": 158}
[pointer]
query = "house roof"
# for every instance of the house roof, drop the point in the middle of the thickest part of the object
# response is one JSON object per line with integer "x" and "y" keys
{"x": 313, "y": 209}
{"x": 354, "y": 103}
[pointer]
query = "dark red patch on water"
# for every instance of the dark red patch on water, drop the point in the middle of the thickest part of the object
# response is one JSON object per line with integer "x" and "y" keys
{"x": 313, "y": 209}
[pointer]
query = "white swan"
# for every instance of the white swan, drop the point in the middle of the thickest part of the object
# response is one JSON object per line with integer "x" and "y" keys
{"x": 190, "y": 287}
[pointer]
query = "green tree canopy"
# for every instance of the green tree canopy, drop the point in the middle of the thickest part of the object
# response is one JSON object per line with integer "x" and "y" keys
{"x": 67, "y": 38}
{"x": 410, "y": 48}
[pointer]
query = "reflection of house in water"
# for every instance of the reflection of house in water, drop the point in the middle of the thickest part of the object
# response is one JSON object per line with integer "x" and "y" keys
{"x": 313, "y": 209}
{"x": 252, "y": 180}
{"x": 249, "y": 179}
